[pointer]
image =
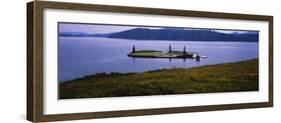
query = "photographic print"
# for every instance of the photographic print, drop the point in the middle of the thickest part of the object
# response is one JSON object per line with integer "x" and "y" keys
{"x": 107, "y": 60}
{"x": 88, "y": 61}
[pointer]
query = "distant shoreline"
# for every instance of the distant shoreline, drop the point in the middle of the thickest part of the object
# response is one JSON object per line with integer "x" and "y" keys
{"x": 156, "y": 40}
{"x": 174, "y": 34}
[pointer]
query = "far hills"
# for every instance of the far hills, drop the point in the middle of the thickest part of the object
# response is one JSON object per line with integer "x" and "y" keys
{"x": 174, "y": 34}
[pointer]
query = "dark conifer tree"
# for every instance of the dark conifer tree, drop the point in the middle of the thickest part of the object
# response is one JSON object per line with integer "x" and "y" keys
{"x": 184, "y": 50}
{"x": 133, "y": 49}
{"x": 170, "y": 48}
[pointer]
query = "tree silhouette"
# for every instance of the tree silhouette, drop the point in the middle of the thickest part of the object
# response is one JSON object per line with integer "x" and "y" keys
{"x": 184, "y": 50}
{"x": 170, "y": 48}
{"x": 133, "y": 49}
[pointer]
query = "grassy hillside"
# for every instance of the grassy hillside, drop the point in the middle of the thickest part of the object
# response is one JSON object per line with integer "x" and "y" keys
{"x": 230, "y": 77}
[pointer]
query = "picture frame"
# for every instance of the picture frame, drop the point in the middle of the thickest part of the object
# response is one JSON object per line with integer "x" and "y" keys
{"x": 36, "y": 61}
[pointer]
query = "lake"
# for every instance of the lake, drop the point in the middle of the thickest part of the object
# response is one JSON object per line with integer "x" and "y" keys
{"x": 80, "y": 56}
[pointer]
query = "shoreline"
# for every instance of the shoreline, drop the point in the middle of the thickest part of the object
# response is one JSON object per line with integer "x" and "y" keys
{"x": 163, "y": 40}
{"x": 120, "y": 73}
{"x": 227, "y": 77}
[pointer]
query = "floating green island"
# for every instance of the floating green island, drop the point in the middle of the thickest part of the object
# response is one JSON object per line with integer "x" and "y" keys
{"x": 162, "y": 54}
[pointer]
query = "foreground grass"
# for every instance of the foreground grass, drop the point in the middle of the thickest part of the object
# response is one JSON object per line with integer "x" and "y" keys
{"x": 229, "y": 77}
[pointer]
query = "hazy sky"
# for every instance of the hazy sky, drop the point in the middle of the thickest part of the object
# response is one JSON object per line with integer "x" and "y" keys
{"x": 91, "y": 28}
{"x": 103, "y": 29}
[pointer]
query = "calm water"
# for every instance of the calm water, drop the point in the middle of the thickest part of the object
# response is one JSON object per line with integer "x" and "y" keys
{"x": 80, "y": 56}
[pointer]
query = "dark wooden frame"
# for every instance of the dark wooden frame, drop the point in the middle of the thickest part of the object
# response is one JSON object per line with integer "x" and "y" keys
{"x": 35, "y": 60}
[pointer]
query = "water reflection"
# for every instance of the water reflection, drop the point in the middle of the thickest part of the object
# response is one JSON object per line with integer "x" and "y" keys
{"x": 80, "y": 56}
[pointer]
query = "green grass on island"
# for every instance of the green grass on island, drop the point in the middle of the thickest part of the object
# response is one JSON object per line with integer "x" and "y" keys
{"x": 160, "y": 54}
{"x": 229, "y": 77}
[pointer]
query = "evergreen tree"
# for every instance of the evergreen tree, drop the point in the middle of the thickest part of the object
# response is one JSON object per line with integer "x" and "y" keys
{"x": 133, "y": 49}
{"x": 170, "y": 48}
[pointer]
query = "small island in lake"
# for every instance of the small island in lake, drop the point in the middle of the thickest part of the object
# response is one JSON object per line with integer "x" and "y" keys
{"x": 162, "y": 54}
